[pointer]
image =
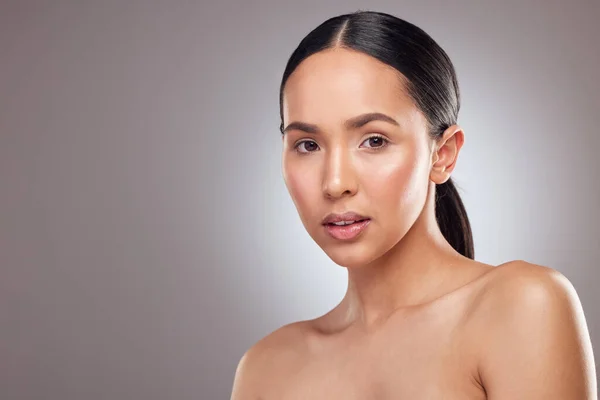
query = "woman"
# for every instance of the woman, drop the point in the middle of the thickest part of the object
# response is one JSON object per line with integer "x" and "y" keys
{"x": 369, "y": 106}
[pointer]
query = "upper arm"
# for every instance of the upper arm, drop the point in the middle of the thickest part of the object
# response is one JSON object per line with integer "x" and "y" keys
{"x": 538, "y": 345}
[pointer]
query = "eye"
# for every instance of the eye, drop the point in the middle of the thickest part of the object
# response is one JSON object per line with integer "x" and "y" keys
{"x": 312, "y": 145}
{"x": 377, "y": 142}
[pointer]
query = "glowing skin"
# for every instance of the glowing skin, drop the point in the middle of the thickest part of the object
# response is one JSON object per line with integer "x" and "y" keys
{"x": 418, "y": 321}
{"x": 342, "y": 169}
{"x": 382, "y": 170}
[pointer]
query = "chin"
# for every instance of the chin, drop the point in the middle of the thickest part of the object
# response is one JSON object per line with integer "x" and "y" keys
{"x": 350, "y": 255}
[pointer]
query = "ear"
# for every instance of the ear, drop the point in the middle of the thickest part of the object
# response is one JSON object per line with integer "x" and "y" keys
{"x": 445, "y": 153}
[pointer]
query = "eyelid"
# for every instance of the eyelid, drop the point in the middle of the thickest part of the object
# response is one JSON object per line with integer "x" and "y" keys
{"x": 303, "y": 140}
{"x": 299, "y": 142}
{"x": 379, "y": 136}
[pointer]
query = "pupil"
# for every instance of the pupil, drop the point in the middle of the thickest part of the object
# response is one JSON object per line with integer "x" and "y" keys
{"x": 376, "y": 139}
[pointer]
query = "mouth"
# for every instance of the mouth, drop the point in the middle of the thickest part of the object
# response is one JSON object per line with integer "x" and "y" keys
{"x": 346, "y": 218}
{"x": 347, "y": 227}
{"x": 347, "y": 223}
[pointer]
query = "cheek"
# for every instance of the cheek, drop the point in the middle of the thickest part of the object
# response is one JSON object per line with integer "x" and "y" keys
{"x": 397, "y": 183}
{"x": 303, "y": 186}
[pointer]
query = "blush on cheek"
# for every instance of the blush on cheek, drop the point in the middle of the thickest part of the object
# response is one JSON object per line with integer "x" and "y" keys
{"x": 304, "y": 190}
{"x": 395, "y": 172}
{"x": 394, "y": 184}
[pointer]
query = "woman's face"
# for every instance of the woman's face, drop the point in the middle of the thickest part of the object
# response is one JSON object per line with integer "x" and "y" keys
{"x": 379, "y": 170}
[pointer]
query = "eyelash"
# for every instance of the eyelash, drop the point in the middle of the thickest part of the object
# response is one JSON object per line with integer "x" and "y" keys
{"x": 385, "y": 141}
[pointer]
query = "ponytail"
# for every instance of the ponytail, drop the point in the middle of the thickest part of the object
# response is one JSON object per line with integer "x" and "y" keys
{"x": 452, "y": 219}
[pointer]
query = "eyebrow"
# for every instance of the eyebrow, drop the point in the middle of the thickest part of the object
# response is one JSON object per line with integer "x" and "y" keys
{"x": 352, "y": 123}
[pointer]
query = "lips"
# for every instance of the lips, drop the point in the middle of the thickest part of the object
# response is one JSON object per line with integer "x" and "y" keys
{"x": 345, "y": 226}
{"x": 349, "y": 216}
{"x": 347, "y": 232}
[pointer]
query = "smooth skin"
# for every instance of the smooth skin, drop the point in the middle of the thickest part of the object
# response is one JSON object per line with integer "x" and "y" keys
{"x": 418, "y": 320}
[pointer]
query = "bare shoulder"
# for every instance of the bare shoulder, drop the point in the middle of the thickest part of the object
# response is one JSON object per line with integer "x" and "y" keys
{"x": 520, "y": 285}
{"x": 535, "y": 342}
{"x": 270, "y": 356}
{"x": 516, "y": 291}
{"x": 521, "y": 276}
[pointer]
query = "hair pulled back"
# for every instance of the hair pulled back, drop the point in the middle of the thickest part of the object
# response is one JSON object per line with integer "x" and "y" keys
{"x": 430, "y": 80}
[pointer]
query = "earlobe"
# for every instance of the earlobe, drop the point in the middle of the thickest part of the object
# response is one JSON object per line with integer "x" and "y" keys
{"x": 439, "y": 173}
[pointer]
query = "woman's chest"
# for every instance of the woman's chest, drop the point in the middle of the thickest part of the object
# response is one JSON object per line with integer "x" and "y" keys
{"x": 423, "y": 358}
{"x": 412, "y": 374}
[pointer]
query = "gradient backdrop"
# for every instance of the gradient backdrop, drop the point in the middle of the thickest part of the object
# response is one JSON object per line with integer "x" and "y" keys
{"x": 146, "y": 235}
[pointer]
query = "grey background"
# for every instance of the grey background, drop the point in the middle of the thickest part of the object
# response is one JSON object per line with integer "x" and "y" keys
{"x": 146, "y": 235}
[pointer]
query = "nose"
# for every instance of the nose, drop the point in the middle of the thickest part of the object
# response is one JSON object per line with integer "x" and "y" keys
{"x": 339, "y": 177}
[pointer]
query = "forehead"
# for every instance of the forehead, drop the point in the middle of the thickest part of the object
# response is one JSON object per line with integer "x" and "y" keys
{"x": 334, "y": 85}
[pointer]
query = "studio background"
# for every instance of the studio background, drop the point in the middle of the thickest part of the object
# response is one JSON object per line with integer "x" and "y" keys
{"x": 146, "y": 235}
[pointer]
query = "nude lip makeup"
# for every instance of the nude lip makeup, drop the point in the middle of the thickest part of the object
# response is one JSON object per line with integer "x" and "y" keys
{"x": 347, "y": 232}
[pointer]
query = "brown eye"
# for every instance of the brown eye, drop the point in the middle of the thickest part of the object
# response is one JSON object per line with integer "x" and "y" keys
{"x": 311, "y": 145}
{"x": 376, "y": 142}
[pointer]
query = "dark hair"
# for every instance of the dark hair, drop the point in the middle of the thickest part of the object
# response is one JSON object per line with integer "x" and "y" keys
{"x": 430, "y": 80}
